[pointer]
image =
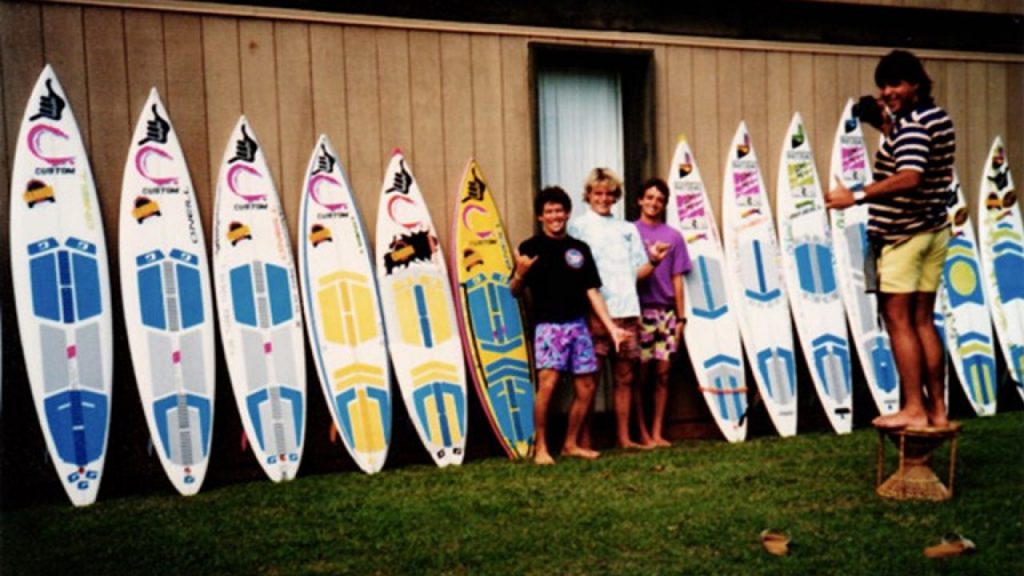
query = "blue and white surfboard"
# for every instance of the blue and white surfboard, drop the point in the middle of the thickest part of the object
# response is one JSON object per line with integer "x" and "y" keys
{"x": 257, "y": 298}
{"x": 964, "y": 307}
{"x": 711, "y": 334}
{"x": 1001, "y": 241}
{"x": 168, "y": 307}
{"x": 62, "y": 288}
{"x": 754, "y": 275}
{"x": 809, "y": 267}
{"x": 849, "y": 240}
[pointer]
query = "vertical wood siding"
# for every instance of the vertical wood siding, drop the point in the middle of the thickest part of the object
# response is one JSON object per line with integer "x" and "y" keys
{"x": 441, "y": 96}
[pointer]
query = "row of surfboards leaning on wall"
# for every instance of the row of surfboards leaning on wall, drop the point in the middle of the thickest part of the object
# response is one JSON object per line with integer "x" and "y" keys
{"x": 398, "y": 307}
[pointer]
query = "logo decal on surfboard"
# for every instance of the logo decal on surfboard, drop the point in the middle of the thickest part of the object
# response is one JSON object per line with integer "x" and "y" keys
{"x": 51, "y": 105}
{"x": 35, "y": 144}
{"x": 142, "y": 166}
{"x": 408, "y": 248}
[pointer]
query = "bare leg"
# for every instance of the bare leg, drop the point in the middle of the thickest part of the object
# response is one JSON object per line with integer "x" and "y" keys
{"x": 638, "y": 403}
{"x": 547, "y": 379}
{"x": 662, "y": 370}
{"x": 934, "y": 357}
{"x": 584, "y": 439}
{"x": 623, "y": 395}
{"x": 898, "y": 310}
{"x": 578, "y": 411}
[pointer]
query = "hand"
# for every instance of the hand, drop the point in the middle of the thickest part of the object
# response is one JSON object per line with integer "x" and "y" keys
{"x": 618, "y": 337}
{"x": 523, "y": 263}
{"x": 657, "y": 252}
{"x": 680, "y": 326}
{"x": 839, "y": 197}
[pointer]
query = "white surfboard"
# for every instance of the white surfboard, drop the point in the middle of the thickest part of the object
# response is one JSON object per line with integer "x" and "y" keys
{"x": 963, "y": 305}
{"x": 1001, "y": 240}
{"x": 343, "y": 317}
{"x": 711, "y": 334}
{"x": 165, "y": 286}
{"x": 754, "y": 276}
{"x": 258, "y": 303}
{"x": 62, "y": 288}
{"x": 849, "y": 240}
{"x": 419, "y": 313}
{"x": 809, "y": 267}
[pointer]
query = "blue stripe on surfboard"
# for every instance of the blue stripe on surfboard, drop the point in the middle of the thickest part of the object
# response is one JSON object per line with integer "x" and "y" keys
{"x": 163, "y": 408}
{"x": 190, "y": 288}
{"x": 978, "y": 366}
{"x": 279, "y": 293}
{"x": 707, "y": 289}
{"x": 185, "y": 294}
{"x": 773, "y": 355}
{"x": 832, "y": 349}
{"x": 724, "y": 377}
{"x": 511, "y": 395}
{"x": 883, "y": 363}
{"x": 243, "y": 299}
{"x": 763, "y": 292}
{"x": 439, "y": 391}
{"x": 814, "y": 268}
{"x": 494, "y": 314}
{"x": 349, "y": 396}
{"x": 65, "y": 281}
{"x": 290, "y": 395}
{"x": 77, "y": 422}
{"x": 424, "y": 316}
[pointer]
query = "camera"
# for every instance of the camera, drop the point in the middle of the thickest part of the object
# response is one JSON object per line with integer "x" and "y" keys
{"x": 868, "y": 111}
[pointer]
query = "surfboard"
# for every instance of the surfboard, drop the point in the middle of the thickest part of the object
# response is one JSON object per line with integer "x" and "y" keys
{"x": 963, "y": 307}
{"x": 808, "y": 264}
{"x": 754, "y": 276}
{"x": 62, "y": 288}
{"x": 849, "y": 241}
{"x": 258, "y": 306}
{"x": 168, "y": 307}
{"x": 1001, "y": 240}
{"x": 420, "y": 316}
{"x": 711, "y": 334}
{"x": 490, "y": 320}
{"x": 343, "y": 317}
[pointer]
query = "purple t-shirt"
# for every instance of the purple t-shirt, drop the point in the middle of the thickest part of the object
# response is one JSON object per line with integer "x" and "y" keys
{"x": 656, "y": 290}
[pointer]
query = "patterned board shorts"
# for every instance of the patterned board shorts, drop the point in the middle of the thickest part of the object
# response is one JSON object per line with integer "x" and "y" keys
{"x": 564, "y": 346}
{"x": 658, "y": 334}
{"x": 629, "y": 349}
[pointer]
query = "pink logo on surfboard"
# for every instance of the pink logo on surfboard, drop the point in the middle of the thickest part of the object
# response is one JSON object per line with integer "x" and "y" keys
{"x": 144, "y": 165}
{"x": 37, "y": 137}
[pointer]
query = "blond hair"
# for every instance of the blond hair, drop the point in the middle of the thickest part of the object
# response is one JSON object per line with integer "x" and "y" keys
{"x": 605, "y": 176}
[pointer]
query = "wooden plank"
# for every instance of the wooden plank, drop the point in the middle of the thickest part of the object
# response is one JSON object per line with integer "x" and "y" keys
{"x": 867, "y": 75}
{"x": 457, "y": 110}
{"x": 516, "y": 196}
{"x": 996, "y": 104}
{"x": 821, "y": 124}
{"x": 185, "y": 99}
{"x": 780, "y": 109}
{"x": 223, "y": 88}
{"x": 109, "y": 118}
{"x": 976, "y": 136}
{"x": 396, "y": 125}
{"x": 730, "y": 96}
{"x": 1015, "y": 120}
{"x": 144, "y": 53}
{"x": 488, "y": 109}
{"x": 679, "y": 83}
{"x": 21, "y": 60}
{"x": 427, "y": 121}
{"x": 327, "y": 60}
{"x": 802, "y": 90}
{"x": 364, "y": 143}
{"x": 63, "y": 40}
{"x": 295, "y": 114}
{"x": 259, "y": 89}
{"x": 955, "y": 103}
{"x": 754, "y": 111}
{"x": 708, "y": 147}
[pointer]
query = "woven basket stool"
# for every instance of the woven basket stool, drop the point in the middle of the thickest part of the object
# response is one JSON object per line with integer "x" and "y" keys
{"x": 915, "y": 479}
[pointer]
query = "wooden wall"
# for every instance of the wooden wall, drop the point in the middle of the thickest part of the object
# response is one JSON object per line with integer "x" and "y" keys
{"x": 442, "y": 92}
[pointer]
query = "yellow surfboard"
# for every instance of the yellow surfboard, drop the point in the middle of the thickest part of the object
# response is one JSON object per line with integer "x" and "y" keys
{"x": 490, "y": 320}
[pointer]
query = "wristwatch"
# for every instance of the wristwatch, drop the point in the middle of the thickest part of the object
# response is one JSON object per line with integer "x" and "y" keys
{"x": 860, "y": 196}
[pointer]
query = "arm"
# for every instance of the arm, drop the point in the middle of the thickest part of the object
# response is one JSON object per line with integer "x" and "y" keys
{"x": 903, "y": 181}
{"x": 655, "y": 254}
{"x": 677, "y": 288}
{"x": 523, "y": 265}
{"x": 601, "y": 310}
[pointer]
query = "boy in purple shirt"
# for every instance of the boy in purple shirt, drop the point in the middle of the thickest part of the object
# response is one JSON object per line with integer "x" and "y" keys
{"x": 663, "y": 313}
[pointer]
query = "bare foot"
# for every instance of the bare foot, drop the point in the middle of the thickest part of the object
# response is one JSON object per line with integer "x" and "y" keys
{"x": 543, "y": 459}
{"x": 662, "y": 443}
{"x": 630, "y": 445}
{"x": 578, "y": 452}
{"x": 901, "y": 420}
{"x": 938, "y": 420}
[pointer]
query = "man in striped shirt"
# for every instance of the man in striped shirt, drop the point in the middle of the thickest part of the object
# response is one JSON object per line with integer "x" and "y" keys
{"x": 908, "y": 225}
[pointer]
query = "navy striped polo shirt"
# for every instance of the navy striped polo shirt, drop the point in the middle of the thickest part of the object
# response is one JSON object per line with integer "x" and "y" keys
{"x": 922, "y": 140}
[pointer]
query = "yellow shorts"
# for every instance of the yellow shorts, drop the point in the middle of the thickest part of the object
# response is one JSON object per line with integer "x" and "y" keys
{"x": 914, "y": 265}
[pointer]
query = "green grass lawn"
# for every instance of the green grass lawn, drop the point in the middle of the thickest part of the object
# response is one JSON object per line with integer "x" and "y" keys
{"x": 697, "y": 508}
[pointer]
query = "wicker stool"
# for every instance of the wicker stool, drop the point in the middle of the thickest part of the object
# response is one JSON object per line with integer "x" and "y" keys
{"x": 915, "y": 480}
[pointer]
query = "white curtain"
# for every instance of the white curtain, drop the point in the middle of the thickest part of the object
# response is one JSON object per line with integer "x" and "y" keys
{"x": 580, "y": 128}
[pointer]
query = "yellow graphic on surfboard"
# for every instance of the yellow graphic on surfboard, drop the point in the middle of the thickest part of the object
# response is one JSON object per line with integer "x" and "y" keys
{"x": 489, "y": 315}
